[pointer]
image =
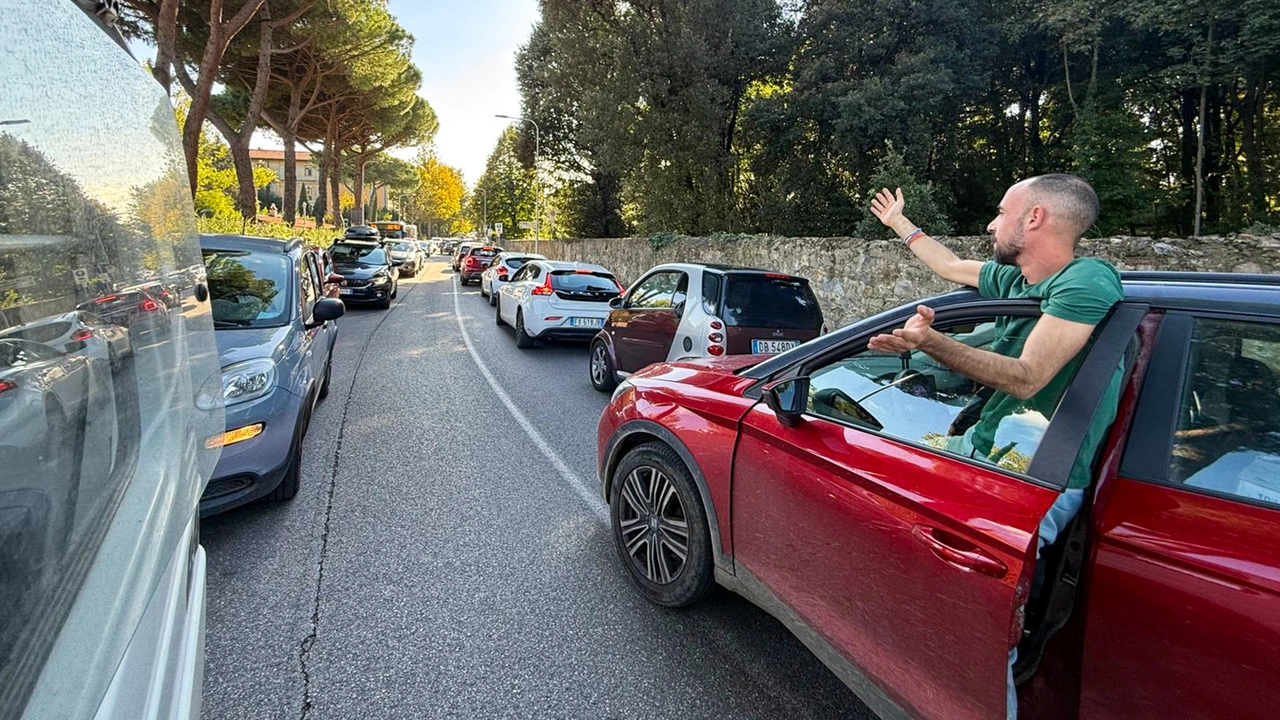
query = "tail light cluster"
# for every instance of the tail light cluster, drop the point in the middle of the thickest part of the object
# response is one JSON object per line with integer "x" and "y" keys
{"x": 150, "y": 305}
{"x": 471, "y": 260}
{"x": 502, "y": 274}
{"x": 716, "y": 337}
{"x": 7, "y": 385}
{"x": 81, "y": 335}
{"x": 545, "y": 288}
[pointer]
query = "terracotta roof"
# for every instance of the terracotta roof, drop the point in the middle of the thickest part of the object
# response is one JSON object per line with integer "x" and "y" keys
{"x": 303, "y": 155}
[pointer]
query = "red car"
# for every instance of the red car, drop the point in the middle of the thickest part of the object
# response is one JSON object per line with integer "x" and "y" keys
{"x": 475, "y": 261}
{"x": 826, "y": 485}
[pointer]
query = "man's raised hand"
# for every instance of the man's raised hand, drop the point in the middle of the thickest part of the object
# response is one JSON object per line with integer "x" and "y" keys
{"x": 888, "y": 207}
{"x": 909, "y": 336}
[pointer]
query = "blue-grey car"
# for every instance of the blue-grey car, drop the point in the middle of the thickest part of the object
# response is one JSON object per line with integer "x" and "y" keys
{"x": 276, "y": 333}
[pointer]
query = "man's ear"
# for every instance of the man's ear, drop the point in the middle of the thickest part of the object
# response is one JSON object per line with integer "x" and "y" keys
{"x": 1037, "y": 218}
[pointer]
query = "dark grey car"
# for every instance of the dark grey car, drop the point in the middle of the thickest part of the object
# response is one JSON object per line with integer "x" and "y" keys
{"x": 275, "y": 335}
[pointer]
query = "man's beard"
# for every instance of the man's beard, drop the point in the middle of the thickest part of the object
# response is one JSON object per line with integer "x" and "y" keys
{"x": 1009, "y": 255}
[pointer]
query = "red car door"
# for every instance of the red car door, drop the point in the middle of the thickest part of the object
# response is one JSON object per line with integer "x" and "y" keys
{"x": 1184, "y": 595}
{"x": 649, "y": 321}
{"x": 870, "y": 521}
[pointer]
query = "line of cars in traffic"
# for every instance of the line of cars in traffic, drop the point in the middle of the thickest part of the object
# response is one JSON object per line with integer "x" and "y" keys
{"x": 675, "y": 311}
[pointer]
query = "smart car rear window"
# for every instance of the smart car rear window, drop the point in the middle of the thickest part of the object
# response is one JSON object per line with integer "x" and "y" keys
{"x": 770, "y": 301}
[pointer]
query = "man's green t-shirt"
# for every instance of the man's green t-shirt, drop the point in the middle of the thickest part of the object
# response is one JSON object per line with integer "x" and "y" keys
{"x": 1083, "y": 291}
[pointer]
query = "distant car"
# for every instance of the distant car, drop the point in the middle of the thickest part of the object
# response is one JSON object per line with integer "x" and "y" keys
{"x": 276, "y": 333}
{"x": 476, "y": 261}
{"x": 405, "y": 255}
{"x": 460, "y": 251}
{"x": 682, "y": 311}
{"x": 77, "y": 332}
{"x": 144, "y": 314}
{"x": 504, "y": 265}
{"x": 425, "y": 247}
{"x": 367, "y": 273}
{"x": 561, "y": 300}
{"x": 362, "y": 232}
{"x": 165, "y": 292}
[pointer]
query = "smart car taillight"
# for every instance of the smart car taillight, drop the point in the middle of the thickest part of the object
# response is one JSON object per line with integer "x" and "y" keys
{"x": 715, "y": 350}
{"x": 716, "y": 337}
{"x": 717, "y": 325}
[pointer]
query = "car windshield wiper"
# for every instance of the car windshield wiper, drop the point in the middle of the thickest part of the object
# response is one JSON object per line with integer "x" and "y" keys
{"x": 230, "y": 323}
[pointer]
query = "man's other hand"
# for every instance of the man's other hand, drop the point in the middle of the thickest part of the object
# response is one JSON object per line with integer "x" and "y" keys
{"x": 908, "y": 337}
{"x": 888, "y": 207}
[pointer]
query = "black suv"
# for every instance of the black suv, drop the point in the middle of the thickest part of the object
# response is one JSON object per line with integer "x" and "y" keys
{"x": 368, "y": 275}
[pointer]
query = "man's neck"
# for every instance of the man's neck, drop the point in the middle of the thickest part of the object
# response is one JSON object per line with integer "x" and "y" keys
{"x": 1036, "y": 270}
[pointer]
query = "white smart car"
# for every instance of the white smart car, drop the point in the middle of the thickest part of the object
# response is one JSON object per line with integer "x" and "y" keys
{"x": 551, "y": 299}
{"x": 504, "y": 267}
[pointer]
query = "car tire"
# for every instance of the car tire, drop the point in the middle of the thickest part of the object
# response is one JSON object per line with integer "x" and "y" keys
{"x": 292, "y": 479}
{"x": 328, "y": 376}
{"x": 524, "y": 340}
{"x": 386, "y": 303}
{"x": 654, "y": 498}
{"x": 497, "y": 316}
{"x": 600, "y": 368}
{"x": 493, "y": 299}
{"x": 395, "y": 291}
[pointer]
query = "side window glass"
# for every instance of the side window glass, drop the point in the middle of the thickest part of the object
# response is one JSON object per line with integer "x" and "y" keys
{"x": 1228, "y": 434}
{"x": 711, "y": 293}
{"x": 914, "y": 398}
{"x": 656, "y": 291}
{"x": 307, "y": 281}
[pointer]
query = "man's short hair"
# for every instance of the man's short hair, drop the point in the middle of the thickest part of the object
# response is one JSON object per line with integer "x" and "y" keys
{"x": 1070, "y": 196}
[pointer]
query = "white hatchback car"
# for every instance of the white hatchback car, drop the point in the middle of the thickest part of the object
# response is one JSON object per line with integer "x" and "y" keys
{"x": 504, "y": 267}
{"x": 551, "y": 299}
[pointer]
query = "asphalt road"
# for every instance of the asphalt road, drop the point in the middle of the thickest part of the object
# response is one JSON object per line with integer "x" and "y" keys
{"x": 447, "y": 555}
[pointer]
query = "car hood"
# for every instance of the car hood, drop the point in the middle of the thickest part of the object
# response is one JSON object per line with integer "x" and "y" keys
{"x": 240, "y": 344}
{"x": 358, "y": 272}
{"x": 712, "y": 373}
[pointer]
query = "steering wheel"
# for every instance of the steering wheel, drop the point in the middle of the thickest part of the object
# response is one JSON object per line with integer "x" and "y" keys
{"x": 914, "y": 382}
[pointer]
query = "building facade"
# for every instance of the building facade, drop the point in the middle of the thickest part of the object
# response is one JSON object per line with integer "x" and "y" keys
{"x": 308, "y": 177}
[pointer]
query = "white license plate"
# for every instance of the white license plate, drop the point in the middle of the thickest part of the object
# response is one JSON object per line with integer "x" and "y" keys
{"x": 771, "y": 347}
{"x": 586, "y": 322}
{"x": 346, "y": 291}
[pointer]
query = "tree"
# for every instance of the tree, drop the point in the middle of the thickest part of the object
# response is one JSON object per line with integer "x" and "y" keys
{"x": 509, "y": 186}
{"x": 439, "y": 196}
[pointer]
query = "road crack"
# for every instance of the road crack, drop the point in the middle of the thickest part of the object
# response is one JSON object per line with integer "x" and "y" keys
{"x": 308, "y": 642}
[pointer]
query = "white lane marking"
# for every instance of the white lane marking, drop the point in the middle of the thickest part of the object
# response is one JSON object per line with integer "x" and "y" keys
{"x": 584, "y": 490}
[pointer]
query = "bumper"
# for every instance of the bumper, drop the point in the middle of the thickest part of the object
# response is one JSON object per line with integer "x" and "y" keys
{"x": 250, "y": 470}
{"x": 561, "y": 327}
{"x": 367, "y": 294}
{"x": 470, "y": 275}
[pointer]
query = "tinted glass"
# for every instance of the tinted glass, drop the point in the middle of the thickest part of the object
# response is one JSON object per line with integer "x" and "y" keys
{"x": 1228, "y": 436}
{"x": 571, "y": 281}
{"x": 101, "y": 471}
{"x": 248, "y": 289}
{"x": 358, "y": 254}
{"x": 761, "y": 301}
{"x": 919, "y": 400}
{"x": 484, "y": 252}
{"x": 515, "y": 262}
{"x": 711, "y": 283}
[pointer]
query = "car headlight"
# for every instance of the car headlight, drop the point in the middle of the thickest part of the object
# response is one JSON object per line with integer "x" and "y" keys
{"x": 381, "y": 279}
{"x": 244, "y": 381}
{"x": 623, "y": 386}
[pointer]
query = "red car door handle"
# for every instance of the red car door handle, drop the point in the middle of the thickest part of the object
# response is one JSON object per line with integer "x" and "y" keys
{"x": 958, "y": 552}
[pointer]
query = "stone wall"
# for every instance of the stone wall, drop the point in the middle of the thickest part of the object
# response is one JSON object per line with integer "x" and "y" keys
{"x": 856, "y": 278}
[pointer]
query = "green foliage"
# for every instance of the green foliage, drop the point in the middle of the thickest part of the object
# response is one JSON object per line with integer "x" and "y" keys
{"x": 235, "y": 225}
{"x": 664, "y": 239}
{"x": 925, "y": 200}
{"x": 508, "y": 187}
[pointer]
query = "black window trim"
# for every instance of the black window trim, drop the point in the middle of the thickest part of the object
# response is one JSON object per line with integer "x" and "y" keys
{"x": 651, "y": 274}
{"x": 1080, "y": 399}
{"x": 1149, "y": 451}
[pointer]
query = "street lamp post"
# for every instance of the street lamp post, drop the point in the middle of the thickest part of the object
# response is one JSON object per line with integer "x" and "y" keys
{"x": 484, "y": 218}
{"x": 537, "y": 177}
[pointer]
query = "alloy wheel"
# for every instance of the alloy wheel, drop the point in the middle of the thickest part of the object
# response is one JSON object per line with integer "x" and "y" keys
{"x": 655, "y": 528}
{"x": 599, "y": 365}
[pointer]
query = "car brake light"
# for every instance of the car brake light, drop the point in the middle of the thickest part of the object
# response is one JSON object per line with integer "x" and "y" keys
{"x": 107, "y": 299}
{"x": 502, "y": 273}
{"x": 7, "y": 385}
{"x": 715, "y": 337}
{"x": 150, "y": 305}
{"x": 545, "y": 287}
{"x": 80, "y": 335}
{"x": 585, "y": 272}
{"x": 777, "y": 276}
{"x": 551, "y": 318}
{"x": 716, "y": 350}
{"x": 717, "y": 325}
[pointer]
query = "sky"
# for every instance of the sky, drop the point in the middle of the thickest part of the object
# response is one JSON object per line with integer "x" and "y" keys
{"x": 466, "y": 50}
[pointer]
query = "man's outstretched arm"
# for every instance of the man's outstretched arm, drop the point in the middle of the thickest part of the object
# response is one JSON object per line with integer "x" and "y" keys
{"x": 1049, "y": 347}
{"x": 888, "y": 207}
